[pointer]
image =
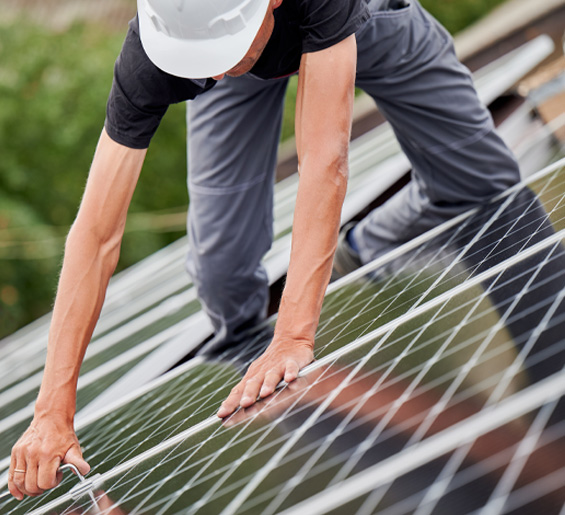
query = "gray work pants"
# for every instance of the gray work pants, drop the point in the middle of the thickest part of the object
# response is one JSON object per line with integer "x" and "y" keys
{"x": 406, "y": 62}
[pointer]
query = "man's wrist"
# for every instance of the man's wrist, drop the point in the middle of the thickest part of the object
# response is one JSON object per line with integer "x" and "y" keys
{"x": 59, "y": 406}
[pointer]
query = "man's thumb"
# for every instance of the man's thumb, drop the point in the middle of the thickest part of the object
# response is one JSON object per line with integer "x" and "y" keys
{"x": 74, "y": 456}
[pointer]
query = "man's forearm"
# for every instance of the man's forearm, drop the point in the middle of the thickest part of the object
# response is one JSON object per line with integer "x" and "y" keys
{"x": 315, "y": 231}
{"x": 86, "y": 272}
{"x": 91, "y": 255}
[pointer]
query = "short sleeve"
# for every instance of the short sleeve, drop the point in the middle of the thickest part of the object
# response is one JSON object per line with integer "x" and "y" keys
{"x": 327, "y": 22}
{"x": 141, "y": 94}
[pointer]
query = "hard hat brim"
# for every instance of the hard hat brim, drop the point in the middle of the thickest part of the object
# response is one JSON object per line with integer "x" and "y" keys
{"x": 197, "y": 58}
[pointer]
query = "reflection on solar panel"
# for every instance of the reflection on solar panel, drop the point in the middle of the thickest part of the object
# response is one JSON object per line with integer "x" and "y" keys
{"x": 438, "y": 388}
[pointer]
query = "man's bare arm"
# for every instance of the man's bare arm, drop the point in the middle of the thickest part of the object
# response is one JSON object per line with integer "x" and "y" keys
{"x": 323, "y": 129}
{"x": 91, "y": 255}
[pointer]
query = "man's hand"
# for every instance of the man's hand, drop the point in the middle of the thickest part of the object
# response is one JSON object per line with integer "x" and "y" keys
{"x": 283, "y": 359}
{"x": 48, "y": 442}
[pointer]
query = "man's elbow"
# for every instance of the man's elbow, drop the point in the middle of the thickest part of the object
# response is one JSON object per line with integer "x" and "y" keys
{"x": 336, "y": 168}
{"x": 331, "y": 162}
{"x": 100, "y": 240}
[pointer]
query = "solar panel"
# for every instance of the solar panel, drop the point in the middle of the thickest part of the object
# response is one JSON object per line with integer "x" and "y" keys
{"x": 438, "y": 380}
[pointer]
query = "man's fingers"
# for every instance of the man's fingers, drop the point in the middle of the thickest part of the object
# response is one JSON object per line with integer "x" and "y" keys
{"x": 31, "y": 487}
{"x": 272, "y": 379}
{"x": 19, "y": 474}
{"x": 292, "y": 370}
{"x": 251, "y": 391}
{"x": 231, "y": 403}
{"x": 14, "y": 491}
{"x": 47, "y": 476}
{"x": 11, "y": 484}
{"x": 74, "y": 457}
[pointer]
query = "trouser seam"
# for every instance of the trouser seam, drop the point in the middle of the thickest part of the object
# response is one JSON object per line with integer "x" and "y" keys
{"x": 226, "y": 190}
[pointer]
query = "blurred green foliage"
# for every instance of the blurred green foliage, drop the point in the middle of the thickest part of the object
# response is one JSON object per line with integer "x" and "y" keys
{"x": 53, "y": 90}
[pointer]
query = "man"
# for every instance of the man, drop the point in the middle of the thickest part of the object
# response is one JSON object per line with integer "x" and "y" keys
{"x": 231, "y": 59}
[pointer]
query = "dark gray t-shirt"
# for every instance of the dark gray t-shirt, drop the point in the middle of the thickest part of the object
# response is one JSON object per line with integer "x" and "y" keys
{"x": 141, "y": 92}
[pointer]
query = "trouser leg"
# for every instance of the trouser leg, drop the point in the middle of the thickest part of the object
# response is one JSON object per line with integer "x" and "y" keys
{"x": 407, "y": 63}
{"x": 233, "y": 134}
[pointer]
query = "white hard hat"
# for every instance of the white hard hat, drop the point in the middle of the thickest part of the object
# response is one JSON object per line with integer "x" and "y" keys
{"x": 198, "y": 39}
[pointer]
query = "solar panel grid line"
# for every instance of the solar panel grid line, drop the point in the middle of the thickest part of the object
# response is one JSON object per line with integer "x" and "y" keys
{"x": 330, "y": 439}
{"x": 242, "y": 496}
{"x": 418, "y": 435}
{"x": 96, "y": 374}
{"x": 416, "y": 242}
{"x": 535, "y": 491}
{"x": 537, "y": 395}
{"x": 167, "y": 308}
{"x": 297, "y": 478}
{"x": 456, "y": 460}
{"x": 519, "y": 361}
{"x": 357, "y": 455}
{"x": 525, "y": 448}
{"x": 157, "y": 428}
{"x": 437, "y": 300}
{"x": 188, "y": 334}
{"x": 83, "y": 421}
{"x": 398, "y": 252}
{"x": 234, "y": 439}
{"x": 464, "y": 477}
{"x": 458, "y": 259}
{"x": 435, "y": 492}
{"x": 414, "y": 280}
{"x": 153, "y": 491}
